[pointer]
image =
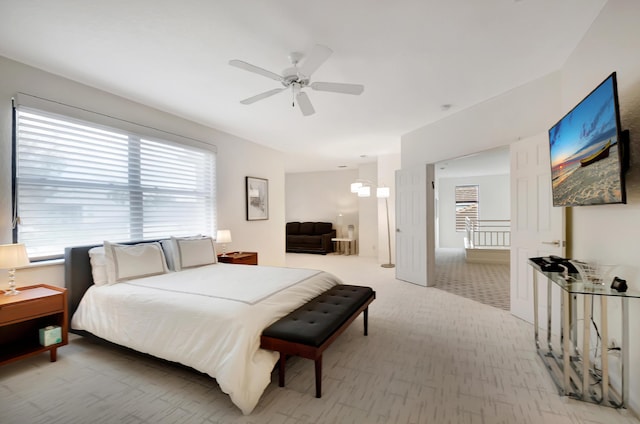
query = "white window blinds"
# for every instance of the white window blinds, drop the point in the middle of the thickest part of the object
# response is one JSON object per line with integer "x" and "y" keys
{"x": 81, "y": 183}
{"x": 466, "y": 205}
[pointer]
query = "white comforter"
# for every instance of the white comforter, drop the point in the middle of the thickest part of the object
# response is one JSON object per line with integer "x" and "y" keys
{"x": 209, "y": 318}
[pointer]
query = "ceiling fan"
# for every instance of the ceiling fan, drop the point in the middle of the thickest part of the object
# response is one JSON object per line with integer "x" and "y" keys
{"x": 297, "y": 78}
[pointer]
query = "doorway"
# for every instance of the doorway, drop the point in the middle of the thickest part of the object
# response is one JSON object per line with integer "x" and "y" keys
{"x": 484, "y": 281}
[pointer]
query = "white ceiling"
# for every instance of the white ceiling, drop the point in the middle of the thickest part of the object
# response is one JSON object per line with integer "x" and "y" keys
{"x": 413, "y": 56}
{"x": 489, "y": 162}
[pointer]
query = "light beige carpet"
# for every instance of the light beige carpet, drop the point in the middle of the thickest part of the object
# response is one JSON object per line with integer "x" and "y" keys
{"x": 430, "y": 357}
{"x": 484, "y": 283}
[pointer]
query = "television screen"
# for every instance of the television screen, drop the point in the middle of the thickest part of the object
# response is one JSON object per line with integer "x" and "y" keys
{"x": 586, "y": 154}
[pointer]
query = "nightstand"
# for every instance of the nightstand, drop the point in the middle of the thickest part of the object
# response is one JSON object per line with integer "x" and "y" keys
{"x": 23, "y": 315}
{"x": 244, "y": 258}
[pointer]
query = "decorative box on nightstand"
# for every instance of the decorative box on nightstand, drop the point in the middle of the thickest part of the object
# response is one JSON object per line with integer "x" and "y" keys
{"x": 23, "y": 315}
{"x": 244, "y": 258}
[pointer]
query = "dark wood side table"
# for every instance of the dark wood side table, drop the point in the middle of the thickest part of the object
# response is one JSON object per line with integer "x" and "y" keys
{"x": 23, "y": 315}
{"x": 244, "y": 258}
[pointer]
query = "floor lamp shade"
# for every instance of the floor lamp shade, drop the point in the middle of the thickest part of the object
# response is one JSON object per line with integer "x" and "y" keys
{"x": 383, "y": 192}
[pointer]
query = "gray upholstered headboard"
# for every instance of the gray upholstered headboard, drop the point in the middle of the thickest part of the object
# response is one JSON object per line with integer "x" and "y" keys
{"x": 77, "y": 272}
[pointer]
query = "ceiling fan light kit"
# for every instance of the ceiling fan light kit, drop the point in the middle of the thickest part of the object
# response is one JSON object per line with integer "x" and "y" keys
{"x": 297, "y": 78}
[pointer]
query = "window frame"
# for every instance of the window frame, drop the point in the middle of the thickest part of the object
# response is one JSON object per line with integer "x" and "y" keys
{"x": 134, "y": 138}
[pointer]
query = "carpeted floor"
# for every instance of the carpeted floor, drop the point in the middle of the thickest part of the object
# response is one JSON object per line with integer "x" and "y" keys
{"x": 484, "y": 283}
{"x": 430, "y": 358}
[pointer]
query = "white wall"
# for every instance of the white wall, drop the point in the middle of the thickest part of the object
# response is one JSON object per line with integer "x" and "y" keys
{"x": 611, "y": 233}
{"x": 387, "y": 167}
{"x": 607, "y": 233}
{"x": 321, "y": 196}
{"x": 237, "y": 158}
{"x": 494, "y": 197}
{"x": 519, "y": 113}
{"x": 368, "y": 213}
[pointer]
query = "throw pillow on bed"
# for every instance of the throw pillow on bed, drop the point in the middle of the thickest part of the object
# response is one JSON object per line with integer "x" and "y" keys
{"x": 98, "y": 261}
{"x": 125, "y": 262}
{"x": 191, "y": 252}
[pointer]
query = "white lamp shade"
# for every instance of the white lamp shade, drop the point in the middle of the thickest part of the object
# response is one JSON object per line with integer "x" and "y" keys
{"x": 223, "y": 236}
{"x": 383, "y": 192}
{"x": 364, "y": 191}
{"x": 13, "y": 256}
{"x": 355, "y": 187}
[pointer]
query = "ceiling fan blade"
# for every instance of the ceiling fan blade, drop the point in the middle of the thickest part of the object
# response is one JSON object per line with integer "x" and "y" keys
{"x": 337, "y": 87}
{"x": 255, "y": 69}
{"x": 305, "y": 104}
{"x": 316, "y": 58}
{"x": 261, "y": 96}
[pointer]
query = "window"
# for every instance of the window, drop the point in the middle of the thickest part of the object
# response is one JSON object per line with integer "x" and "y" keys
{"x": 466, "y": 205}
{"x": 81, "y": 183}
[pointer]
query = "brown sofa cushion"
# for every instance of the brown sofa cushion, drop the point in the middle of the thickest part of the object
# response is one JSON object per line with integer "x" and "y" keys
{"x": 293, "y": 228}
{"x": 322, "y": 228}
{"x": 307, "y": 228}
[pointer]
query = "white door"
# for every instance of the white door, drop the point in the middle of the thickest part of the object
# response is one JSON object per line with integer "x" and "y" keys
{"x": 414, "y": 193}
{"x": 537, "y": 228}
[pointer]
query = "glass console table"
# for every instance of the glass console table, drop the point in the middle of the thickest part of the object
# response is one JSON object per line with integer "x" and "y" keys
{"x": 571, "y": 367}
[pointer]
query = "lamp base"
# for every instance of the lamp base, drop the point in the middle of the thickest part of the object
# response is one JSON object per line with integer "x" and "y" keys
{"x": 388, "y": 266}
{"x": 11, "y": 292}
{"x": 12, "y": 284}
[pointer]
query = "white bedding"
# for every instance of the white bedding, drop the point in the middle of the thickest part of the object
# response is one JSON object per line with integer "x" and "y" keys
{"x": 209, "y": 318}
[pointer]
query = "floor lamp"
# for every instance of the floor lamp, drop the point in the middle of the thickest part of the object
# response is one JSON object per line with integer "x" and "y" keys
{"x": 383, "y": 193}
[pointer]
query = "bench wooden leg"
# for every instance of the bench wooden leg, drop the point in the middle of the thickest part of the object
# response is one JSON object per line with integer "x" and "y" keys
{"x": 365, "y": 315}
{"x": 319, "y": 377}
{"x": 283, "y": 362}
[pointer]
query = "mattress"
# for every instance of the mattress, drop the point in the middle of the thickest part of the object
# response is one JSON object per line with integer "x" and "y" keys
{"x": 209, "y": 318}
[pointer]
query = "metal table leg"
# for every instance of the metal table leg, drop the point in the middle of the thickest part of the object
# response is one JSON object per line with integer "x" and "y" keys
{"x": 566, "y": 354}
{"x": 535, "y": 309}
{"x": 604, "y": 334}
{"x": 586, "y": 341}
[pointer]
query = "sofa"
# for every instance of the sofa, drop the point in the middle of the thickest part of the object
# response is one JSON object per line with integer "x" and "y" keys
{"x": 310, "y": 237}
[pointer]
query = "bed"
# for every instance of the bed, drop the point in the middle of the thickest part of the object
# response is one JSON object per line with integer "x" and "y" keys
{"x": 208, "y": 317}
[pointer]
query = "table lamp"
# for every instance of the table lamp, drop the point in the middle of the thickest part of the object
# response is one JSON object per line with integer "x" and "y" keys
{"x": 223, "y": 237}
{"x": 13, "y": 256}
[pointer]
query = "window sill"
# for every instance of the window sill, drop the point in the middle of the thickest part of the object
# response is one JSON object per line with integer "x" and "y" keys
{"x": 41, "y": 264}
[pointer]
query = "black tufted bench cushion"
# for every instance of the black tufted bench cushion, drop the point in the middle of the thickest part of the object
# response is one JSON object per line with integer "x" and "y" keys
{"x": 310, "y": 329}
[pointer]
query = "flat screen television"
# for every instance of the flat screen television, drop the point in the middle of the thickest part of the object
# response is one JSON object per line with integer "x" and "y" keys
{"x": 587, "y": 151}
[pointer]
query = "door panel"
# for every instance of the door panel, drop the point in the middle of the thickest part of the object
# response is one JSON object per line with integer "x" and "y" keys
{"x": 535, "y": 222}
{"x": 411, "y": 225}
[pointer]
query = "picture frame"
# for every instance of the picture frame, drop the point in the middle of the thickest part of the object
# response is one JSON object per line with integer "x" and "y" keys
{"x": 257, "y": 197}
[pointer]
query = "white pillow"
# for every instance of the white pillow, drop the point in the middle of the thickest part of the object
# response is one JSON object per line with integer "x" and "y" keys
{"x": 98, "y": 261}
{"x": 169, "y": 255}
{"x": 190, "y": 252}
{"x": 125, "y": 262}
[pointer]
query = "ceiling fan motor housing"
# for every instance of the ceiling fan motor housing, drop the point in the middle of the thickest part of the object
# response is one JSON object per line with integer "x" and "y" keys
{"x": 290, "y": 75}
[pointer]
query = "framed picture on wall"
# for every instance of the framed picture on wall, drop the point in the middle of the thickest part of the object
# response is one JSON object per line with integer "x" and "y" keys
{"x": 257, "y": 198}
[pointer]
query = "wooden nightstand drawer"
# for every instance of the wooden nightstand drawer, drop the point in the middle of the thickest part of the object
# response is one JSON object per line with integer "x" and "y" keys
{"x": 241, "y": 258}
{"x": 246, "y": 260}
{"x": 31, "y": 308}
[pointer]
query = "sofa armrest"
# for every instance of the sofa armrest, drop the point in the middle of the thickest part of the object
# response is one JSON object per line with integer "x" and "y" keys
{"x": 327, "y": 244}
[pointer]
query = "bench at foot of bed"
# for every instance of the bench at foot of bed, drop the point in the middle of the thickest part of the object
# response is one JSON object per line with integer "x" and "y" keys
{"x": 310, "y": 329}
